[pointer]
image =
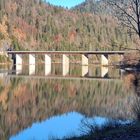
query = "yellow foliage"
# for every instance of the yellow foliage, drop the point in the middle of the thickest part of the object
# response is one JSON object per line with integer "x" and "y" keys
{"x": 19, "y": 34}
{"x": 4, "y": 97}
{"x": 4, "y": 28}
{"x": 13, "y": 7}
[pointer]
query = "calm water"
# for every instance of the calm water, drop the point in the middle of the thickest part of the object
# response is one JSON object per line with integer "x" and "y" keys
{"x": 36, "y": 106}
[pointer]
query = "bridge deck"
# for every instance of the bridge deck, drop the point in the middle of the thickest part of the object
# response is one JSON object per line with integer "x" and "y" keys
{"x": 66, "y": 52}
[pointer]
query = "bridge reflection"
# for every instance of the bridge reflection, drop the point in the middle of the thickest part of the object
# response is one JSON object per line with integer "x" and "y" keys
{"x": 74, "y": 71}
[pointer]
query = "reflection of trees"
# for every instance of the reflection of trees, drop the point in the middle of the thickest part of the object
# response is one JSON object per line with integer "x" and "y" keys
{"x": 36, "y": 100}
{"x": 137, "y": 83}
{"x": 132, "y": 80}
{"x": 136, "y": 108}
{"x": 136, "y": 105}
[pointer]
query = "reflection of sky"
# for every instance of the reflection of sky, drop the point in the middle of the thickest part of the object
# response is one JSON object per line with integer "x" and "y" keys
{"x": 59, "y": 126}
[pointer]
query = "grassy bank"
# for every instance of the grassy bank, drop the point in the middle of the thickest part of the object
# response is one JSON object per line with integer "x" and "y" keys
{"x": 112, "y": 130}
{"x": 132, "y": 59}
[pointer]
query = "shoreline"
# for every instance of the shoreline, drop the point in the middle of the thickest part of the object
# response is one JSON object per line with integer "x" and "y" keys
{"x": 111, "y": 132}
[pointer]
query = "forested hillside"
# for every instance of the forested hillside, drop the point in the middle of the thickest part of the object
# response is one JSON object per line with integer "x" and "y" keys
{"x": 93, "y": 6}
{"x": 36, "y": 25}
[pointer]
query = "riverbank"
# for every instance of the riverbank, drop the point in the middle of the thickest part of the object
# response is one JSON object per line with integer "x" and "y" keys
{"x": 131, "y": 60}
{"x": 112, "y": 132}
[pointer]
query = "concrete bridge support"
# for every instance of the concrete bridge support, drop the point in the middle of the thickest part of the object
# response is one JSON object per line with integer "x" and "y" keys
{"x": 84, "y": 70}
{"x": 18, "y": 69}
{"x": 31, "y": 64}
{"x": 31, "y": 59}
{"x": 18, "y": 63}
{"x": 18, "y": 59}
{"x": 84, "y": 60}
{"x": 48, "y": 62}
{"x": 65, "y": 64}
{"x": 104, "y": 60}
{"x": 104, "y": 71}
{"x": 31, "y": 69}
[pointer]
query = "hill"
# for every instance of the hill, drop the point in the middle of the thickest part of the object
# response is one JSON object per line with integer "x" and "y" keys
{"x": 36, "y": 25}
{"x": 93, "y": 6}
{"x": 96, "y": 7}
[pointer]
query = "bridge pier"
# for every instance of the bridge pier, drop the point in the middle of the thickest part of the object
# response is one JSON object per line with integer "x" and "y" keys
{"x": 18, "y": 63}
{"x": 65, "y": 64}
{"x": 48, "y": 62}
{"x": 31, "y": 59}
{"x": 104, "y": 60}
{"x": 18, "y": 59}
{"x": 31, "y": 64}
{"x": 84, "y": 60}
{"x": 31, "y": 69}
{"x": 84, "y": 70}
{"x": 104, "y": 71}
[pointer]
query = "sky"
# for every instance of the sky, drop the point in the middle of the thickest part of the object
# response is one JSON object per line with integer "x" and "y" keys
{"x": 65, "y": 3}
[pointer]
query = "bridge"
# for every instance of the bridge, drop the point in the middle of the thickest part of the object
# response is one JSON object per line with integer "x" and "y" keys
{"x": 65, "y": 59}
{"x": 67, "y": 52}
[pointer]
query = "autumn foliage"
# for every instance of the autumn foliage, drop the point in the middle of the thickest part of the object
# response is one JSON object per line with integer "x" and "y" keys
{"x": 36, "y": 25}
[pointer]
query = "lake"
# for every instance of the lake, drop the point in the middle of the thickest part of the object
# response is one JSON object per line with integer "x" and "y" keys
{"x": 36, "y": 106}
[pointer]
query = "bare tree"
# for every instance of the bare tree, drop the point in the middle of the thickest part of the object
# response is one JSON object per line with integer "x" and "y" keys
{"x": 128, "y": 13}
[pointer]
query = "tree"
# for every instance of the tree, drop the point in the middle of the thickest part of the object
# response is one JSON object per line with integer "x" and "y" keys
{"x": 128, "y": 13}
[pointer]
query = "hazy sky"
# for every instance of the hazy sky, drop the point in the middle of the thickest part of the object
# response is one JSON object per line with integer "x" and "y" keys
{"x": 65, "y": 3}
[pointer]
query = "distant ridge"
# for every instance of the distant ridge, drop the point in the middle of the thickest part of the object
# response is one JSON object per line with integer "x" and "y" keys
{"x": 93, "y": 6}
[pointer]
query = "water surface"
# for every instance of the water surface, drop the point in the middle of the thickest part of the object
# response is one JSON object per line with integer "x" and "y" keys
{"x": 41, "y": 107}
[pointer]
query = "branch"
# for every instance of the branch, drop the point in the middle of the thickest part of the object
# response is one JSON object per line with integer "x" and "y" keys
{"x": 135, "y": 29}
{"x": 129, "y": 26}
{"x": 124, "y": 11}
{"x": 136, "y": 49}
{"x": 134, "y": 10}
{"x": 128, "y": 23}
